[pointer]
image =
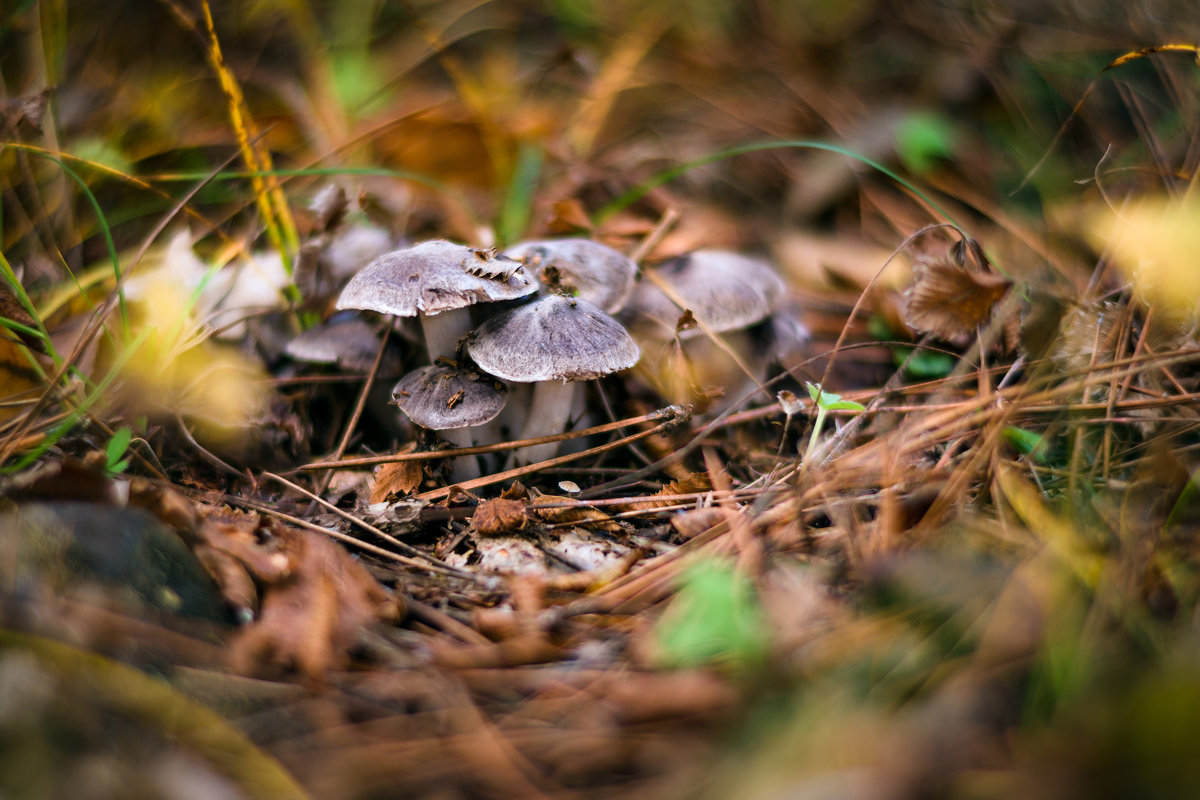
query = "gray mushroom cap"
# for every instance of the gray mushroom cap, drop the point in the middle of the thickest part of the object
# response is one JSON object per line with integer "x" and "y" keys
{"x": 600, "y": 274}
{"x": 552, "y": 338}
{"x": 441, "y": 397}
{"x": 350, "y": 343}
{"x": 726, "y": 291}
{"x": 435, "y": 276}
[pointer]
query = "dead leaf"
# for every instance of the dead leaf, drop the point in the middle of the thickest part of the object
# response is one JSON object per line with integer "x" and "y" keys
{"x": 398, "y": 477}
{"x": 312, "y": 598}
{"x": 494, "y": 517}
{"x": 950, "y": 302}
{"x": 315, "y": 601}
{"x": 691, "y": 524}
{"x": 515, "y": 491}
{"x": 688, "y": 484}
{"x": 568, "y": 216}
{"x": 572, "y": 512}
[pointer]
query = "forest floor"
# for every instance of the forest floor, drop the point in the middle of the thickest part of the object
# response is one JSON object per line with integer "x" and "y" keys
{"x": 925, "y": 525}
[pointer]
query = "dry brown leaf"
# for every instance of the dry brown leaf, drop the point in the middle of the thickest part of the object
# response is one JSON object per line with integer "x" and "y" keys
{"x": 568, "y": 217}
{"x": 397, "y": 477}
{"x": 315, "y": 601}
{"x": 817, "y": 261}
{"x": 571, "y": 512}
{"x": 312, "y": 597}
{"x": 494, "y": 517}
{"x": 688, "y": 484}
{"x": 515, "y": 491}
{"x": 951, "y": 302}
{"x": 691, "y": 524}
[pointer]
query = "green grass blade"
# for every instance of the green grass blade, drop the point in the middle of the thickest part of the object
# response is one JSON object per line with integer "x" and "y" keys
{"x": 93, "y": 397}
{"x": 104, "y": 228}
{"x": 10, "y": 277}
{"x": 642, "y": 189}
{"x": 518, "y": 205}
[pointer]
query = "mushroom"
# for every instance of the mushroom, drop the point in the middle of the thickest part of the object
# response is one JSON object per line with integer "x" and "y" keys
{"x": 552, "y": 343}
{"x": 435, "y": 281}
{"x": 351, "y": 343}
{"x": 347, "y": 341}
{"x": 449, "y": 399}
{"x": 726, "y": 292}
{"x": 597, "y": 273}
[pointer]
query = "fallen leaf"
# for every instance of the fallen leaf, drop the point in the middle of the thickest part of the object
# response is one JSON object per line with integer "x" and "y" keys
{"x": 1154, "y": 243}
{"x": 688, "y": 484}
{"x": 691, "y": 524}
{"x": 568, "y": 216}
{"x": 316, "y": 599}
{"x": 494, "y": 517}
{"x": 398, "y": 477}
{"x": 312, "y": 598}
{"x": 571, "y": 512}
{"x": 951, "y": 302}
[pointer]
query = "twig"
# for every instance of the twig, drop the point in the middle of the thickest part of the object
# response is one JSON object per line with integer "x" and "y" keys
{"x": 416, "y": 563}
{"x": 407, "y": 549}
{"x": 323, "y": 484}
{"x": 679, "y": 415}
{"x": 672, "y": 412}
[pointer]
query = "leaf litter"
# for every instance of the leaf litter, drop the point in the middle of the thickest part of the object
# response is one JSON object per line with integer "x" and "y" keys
{"x": 844, "y": 567}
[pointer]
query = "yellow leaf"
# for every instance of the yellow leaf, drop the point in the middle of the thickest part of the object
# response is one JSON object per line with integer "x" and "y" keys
{"x": 1154, "y": 243}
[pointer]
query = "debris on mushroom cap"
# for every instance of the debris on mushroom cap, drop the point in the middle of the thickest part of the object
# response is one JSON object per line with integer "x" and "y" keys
{"x": 348, "y": 341}
{"x": 725, "y": 290}
{"x": 598, "y": 273}
{"x": 433, "y": 277}
{"x": 441, "y": 397}
{"x": 552, "y": 338}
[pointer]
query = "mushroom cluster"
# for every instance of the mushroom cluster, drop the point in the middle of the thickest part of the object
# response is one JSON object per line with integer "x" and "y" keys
{"x": 556, "y": 330}
{"x": 551, "y": 341}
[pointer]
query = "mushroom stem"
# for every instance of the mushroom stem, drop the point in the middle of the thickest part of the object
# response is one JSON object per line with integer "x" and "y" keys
{"x": 463, "y": 468}
{"x": 442, "y": 331}
{"x": 549, "y": 412}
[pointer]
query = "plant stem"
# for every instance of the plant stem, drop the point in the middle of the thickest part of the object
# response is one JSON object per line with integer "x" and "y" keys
{"x": 818, "y": 423}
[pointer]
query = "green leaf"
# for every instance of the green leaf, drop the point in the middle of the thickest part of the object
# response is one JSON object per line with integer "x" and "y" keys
{"x": 1027, "y": 443}
{"x": 923, "y": 364}
{"x": 518, "y": 204}
{"x": 118, "y": 444}
{"x": 922, "y": 138}
{"x": 830, "y": 401}
{"x": 814, "y": 391}
{"x": 714, "y": 618}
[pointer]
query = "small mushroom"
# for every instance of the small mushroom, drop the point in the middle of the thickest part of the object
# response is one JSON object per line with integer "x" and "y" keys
{"x": 348, "y": 341}
{"x": 597, "y": 273}
{"x": 552, "y": 343}
{"x": 435, "y": 281}
{"x": 726, "y": 291}
{"x": 450, "y": 399}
